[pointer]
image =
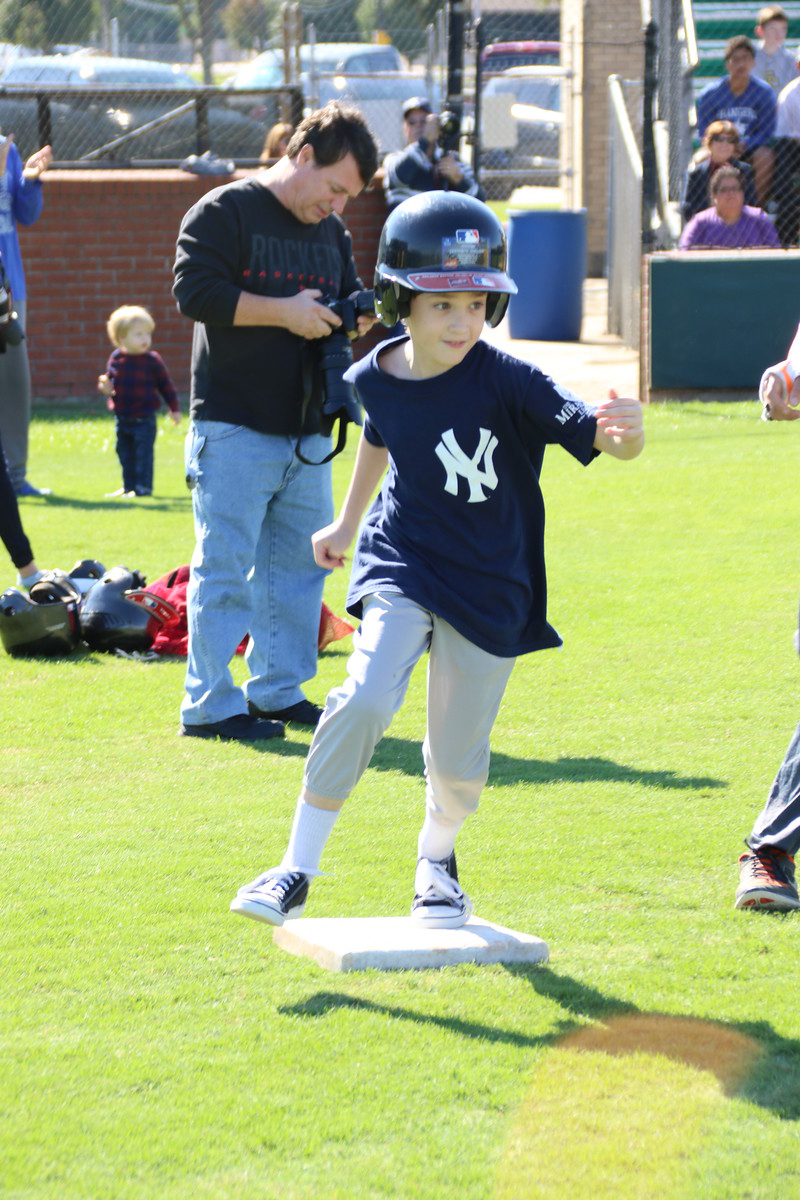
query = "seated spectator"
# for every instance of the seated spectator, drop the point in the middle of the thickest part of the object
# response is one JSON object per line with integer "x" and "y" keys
{"x": 730, "y": 224}
{"x": 276, "y": 142}
{"x": 424, "y": 166}
{"x": 720, "y": 147}
{"x": 774, "y": 63}
{"x": 750, "y": 104}
{"x": 787, "y": 164}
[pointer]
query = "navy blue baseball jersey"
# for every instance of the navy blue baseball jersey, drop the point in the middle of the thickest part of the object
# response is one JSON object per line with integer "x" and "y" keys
{"x": 458, "y": 525}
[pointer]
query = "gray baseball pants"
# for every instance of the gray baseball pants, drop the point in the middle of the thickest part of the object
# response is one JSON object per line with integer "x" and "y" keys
{"x": 465, "y": 689}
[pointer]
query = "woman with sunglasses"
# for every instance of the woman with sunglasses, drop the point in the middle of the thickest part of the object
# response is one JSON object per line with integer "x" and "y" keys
{"x": 721, "y": 147}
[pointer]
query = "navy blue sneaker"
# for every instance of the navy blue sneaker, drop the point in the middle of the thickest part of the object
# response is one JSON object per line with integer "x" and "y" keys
{"x": 273, "y": 897}
{"x": 439, "y": 903}
{"x": 27, "y": 489}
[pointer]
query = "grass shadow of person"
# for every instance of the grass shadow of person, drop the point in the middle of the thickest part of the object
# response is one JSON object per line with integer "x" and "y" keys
{"x": 400, "y": 754}
{"x": 749, "y": 1059}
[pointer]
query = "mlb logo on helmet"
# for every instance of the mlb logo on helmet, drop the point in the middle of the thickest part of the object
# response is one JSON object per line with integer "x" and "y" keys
{"x": 472, "y": 236}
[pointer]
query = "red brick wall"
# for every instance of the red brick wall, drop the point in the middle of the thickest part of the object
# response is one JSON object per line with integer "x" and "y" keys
{"x": 107, "y": 238}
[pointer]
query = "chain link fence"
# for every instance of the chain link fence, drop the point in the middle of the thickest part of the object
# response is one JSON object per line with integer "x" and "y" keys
{"x": 139, "y": 83}
{"x": 746, "y": 116}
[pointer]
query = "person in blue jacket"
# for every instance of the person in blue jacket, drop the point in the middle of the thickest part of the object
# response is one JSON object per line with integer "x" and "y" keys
{"x": 750, "y": 103}
{"x": 21, "y": 203}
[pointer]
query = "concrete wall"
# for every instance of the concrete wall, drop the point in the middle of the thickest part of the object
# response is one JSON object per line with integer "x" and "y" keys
{"x": 107, "y": 238}
{"x": 601, "y": 38}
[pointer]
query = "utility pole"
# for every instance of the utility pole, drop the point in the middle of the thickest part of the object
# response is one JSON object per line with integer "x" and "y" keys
{"x": 456, "y": 20}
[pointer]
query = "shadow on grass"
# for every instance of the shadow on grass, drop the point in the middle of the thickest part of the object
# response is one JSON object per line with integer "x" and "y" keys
{"x": 749, "y": 1058}
{"x": 116, "y": 504}
{"x": 398, "y": 754}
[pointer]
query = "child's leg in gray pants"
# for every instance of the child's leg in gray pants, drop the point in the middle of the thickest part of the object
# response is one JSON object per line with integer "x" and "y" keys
{"x": 394, "y": 634}
{"x": 465, "y": 688}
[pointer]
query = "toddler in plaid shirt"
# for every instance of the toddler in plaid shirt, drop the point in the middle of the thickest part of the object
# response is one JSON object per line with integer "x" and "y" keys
{"x": 135, "y": 382}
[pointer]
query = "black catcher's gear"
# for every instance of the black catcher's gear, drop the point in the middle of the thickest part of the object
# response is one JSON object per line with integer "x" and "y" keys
{"x": 118, "y": 614}
{"x": 86, "y": 572}
{"x": 44, "y": 622}
{"x": 441, "y": 242}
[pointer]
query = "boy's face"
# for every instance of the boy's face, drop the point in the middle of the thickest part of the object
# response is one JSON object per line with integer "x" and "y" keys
{"x": 774, "y": 34}
{"x": 137, "y": 338}
{"x": 739, "y": 64}
{"x": 444, "y": 326}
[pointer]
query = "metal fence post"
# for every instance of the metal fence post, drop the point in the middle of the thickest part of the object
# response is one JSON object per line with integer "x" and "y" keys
{"x": 649, "y": 179}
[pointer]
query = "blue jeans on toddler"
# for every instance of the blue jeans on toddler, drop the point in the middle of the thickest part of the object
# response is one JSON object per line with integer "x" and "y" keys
{"x": 136, "y": 439}
{"x": 253, "y": 571}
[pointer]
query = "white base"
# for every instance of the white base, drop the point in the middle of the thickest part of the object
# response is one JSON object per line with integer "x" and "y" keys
{"x": 356, "y": 943}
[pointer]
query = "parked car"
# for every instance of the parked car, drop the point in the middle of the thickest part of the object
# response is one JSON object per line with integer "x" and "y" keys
{"x": 499, "y": 56}
{"x": 149, "y": 90}
{"x": 373, "y": 78}
{"x": 521, "y": 123}
{"x": 345, "y": 58}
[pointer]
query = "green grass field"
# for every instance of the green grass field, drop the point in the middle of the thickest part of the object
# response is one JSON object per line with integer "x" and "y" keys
{"x": 154, "y": 1045}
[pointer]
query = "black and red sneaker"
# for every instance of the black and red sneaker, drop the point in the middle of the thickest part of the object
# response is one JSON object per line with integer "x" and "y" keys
{"x": 767, "y": 881}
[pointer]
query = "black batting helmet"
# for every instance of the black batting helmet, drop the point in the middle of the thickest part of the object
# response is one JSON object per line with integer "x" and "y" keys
{"x": 118, "y": 614}
{"x": 441, "y": 242}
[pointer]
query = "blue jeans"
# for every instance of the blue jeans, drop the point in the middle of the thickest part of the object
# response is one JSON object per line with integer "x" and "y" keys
{"x": 136, "y": 439}
{"x": 253, "y": 571}
{"x": 778, "y": 824}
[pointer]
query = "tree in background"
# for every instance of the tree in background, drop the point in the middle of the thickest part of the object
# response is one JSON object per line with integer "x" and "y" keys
{"x": 404, "y": 20}
{"x": 43, "y": 24}
{"x": 199, "y": 19}
{"x": 157, "y": 22}
{"x": 251, "y": 24}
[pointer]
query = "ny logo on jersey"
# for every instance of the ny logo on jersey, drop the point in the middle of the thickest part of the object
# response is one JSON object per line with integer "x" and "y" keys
{"x": 456, "y": 463}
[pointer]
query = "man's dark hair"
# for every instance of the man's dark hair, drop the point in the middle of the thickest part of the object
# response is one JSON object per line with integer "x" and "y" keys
{"x": 333, "y": 132}
{"x": 723, "y": 173}
{"x": 740, "y": 42}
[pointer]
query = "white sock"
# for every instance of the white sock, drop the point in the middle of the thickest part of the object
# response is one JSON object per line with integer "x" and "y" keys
{"x": 28, "y": 581}
{"x": 437, "y": 837}
{"x": 310, "y": 831}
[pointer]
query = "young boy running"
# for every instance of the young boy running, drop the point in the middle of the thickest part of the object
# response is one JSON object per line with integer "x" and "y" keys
{"x": 450, "y": 558}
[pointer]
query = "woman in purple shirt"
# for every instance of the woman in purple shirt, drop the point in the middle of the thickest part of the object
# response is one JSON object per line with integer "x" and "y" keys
{"x": 730, "y": 224}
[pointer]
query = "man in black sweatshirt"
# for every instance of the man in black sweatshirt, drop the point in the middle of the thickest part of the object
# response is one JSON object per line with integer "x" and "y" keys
{"x": 255, "y": 259}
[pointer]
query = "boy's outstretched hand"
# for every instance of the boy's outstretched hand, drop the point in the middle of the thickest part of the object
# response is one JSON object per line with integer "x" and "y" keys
{"x": 619, "y": 426}
{"x": 330, "y": 545}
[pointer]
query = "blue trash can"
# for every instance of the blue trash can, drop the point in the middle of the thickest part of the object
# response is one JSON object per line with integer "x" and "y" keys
{"x": 547, "y": 261}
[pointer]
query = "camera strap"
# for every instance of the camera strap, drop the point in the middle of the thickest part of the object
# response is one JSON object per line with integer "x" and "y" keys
{"x": 308, "y": 381}
{"x": 340, "y": 445}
